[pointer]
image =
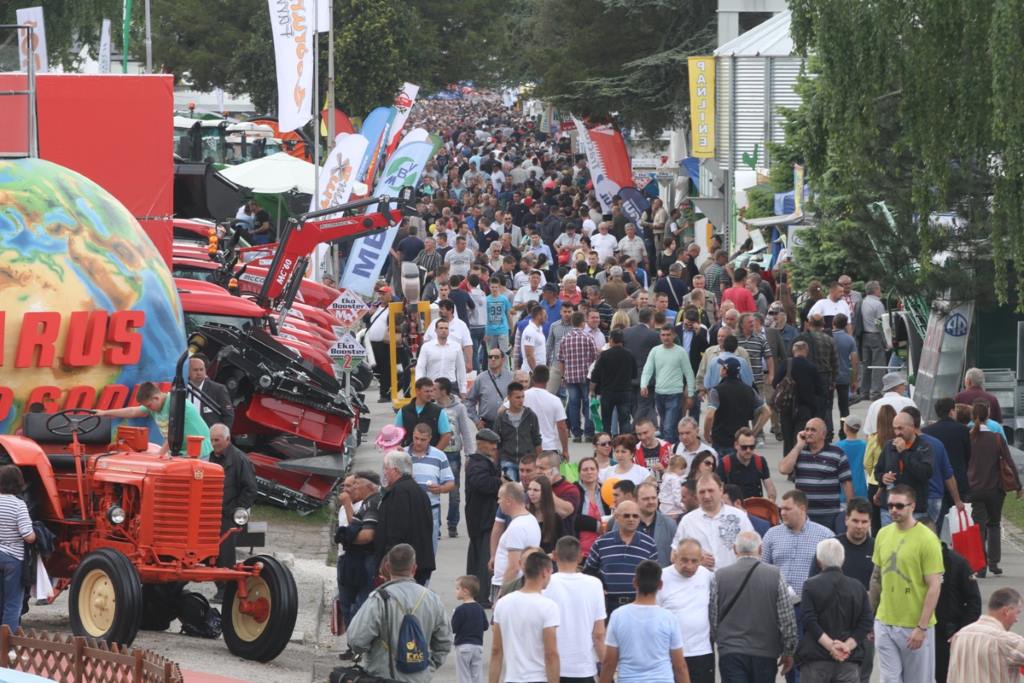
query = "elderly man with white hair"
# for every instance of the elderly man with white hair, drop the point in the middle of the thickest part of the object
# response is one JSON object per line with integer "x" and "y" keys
{"x": 974, "y": 389}
{"x": 239, "y": 491}
{"x": 836, "y": 616}
{"x": 405, "y": 515}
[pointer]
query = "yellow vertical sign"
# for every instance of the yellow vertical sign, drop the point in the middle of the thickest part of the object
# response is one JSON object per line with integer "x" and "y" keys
{"x": 702, "y": 106}
{"x": 798, "y": 188}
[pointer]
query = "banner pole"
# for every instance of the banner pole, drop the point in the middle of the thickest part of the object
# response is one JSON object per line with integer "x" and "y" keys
{"x": 331, "y": 132}
{"x": 149, "y": 42}
{"x": 316, "y": 123}
{"x": 126, "y": 29}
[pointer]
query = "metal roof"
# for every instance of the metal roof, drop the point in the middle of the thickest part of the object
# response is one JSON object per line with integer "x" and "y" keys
{"x": 770, "y": 39}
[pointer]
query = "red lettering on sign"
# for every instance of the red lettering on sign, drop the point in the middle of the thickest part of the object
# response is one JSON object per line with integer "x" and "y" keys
{"x": 86, "y": 333}
{"x": 112, "y": 396}
{"x": 6, "y": 401}
{"x": 127, "y": 343}
{"x": 3, "y": 315}
{"x": 38, "y": 331}
{"x": 47, "y": 395}
{"x": 81, "y": 396}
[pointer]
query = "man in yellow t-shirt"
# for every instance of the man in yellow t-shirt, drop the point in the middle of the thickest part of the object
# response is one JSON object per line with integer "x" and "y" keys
{"x": 904, "y": 590}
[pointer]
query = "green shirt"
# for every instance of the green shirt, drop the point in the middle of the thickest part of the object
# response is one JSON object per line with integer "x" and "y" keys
{"x": 194, "y": 424}
{"x": 670, "y": 368}
{"x": 905, "y": 558}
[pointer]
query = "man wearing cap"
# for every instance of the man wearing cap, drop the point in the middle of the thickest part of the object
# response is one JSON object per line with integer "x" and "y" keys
{"x": 377, "y": 335}
{"x": 894, "y": 386}
{"x": 732, "y": 404}
{"x": 483, "y": 479}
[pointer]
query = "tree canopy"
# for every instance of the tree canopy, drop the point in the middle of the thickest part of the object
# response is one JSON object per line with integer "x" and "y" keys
{"x": 913, "y": 110}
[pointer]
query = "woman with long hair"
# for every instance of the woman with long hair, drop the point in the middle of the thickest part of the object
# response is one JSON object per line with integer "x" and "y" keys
{"x": 988, "y": 448}
{"x": 603, "y": 450}
{"x": 588, "y": 522}
{"x": 703, "y": 463}
{"x": 620, "y": 320}
{"x": 624, "y": 448}
{"x": 541, "y": 503}
{"x": 872, "y": 452}
{"x": 667, "y": 256}
{"x": 811, "y": 296}
{"x": 15, "y": 532}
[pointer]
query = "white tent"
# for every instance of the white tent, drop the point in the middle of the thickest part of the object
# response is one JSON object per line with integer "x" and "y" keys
{"x": 274, "y": 174}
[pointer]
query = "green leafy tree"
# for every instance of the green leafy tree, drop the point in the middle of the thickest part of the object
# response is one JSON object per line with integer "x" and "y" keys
{"x": 70, "y": 26}
{"x": 910, "y": 113}
{"x": 626, "y": 56}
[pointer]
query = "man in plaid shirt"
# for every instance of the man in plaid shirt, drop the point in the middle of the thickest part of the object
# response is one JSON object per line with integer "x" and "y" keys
{"x": 576, "y": 352}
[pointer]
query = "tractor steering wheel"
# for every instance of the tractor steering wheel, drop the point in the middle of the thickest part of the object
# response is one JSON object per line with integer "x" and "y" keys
{"x": 73, "y": 421}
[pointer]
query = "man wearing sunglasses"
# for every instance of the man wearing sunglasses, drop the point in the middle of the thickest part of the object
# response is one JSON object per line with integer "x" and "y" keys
{"x": 905, "y": 587}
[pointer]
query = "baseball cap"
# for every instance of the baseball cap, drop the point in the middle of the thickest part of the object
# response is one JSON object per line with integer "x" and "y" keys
{"x": 853, "y": 422}
{"x": 732, "y": 365}
{"x": 384, "y": 289}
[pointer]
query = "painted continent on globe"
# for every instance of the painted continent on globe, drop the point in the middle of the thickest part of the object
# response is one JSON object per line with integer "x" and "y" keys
{"x": 66, "y": 246}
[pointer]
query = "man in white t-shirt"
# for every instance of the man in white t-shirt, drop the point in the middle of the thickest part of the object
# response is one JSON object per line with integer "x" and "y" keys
{"x": 580, "y": 600}
{"x": 686, "y": 592}
{"x": 603, "y": 242}
{"x": 525, "y": 629}
{"x": 521, "y": 532}
{"x": 551, "y": 417}
{"x": 831, "y": 306}
{"x": 533, "y": 342}
{"x": 714, "y": 524}
{"x": 458, "y": 331}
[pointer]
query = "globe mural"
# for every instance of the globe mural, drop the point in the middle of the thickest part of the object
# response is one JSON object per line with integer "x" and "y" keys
{"x": 77, "y": 275}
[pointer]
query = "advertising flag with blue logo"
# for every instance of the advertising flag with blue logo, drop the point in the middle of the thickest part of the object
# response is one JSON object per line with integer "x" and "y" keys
{"x": 404, "y": 168}
{"x": 375, "y": 129}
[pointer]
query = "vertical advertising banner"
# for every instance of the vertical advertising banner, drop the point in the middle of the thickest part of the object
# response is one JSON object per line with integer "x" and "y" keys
{"x": 292, "y": 25}
{"x": 32, "y": 16}
{"x": 403, "y": 169}
{"x": 105, "y": 47}
{"x": 338, "y": 174}
{"x": 403, "y": 105}
{"x": 702, "y": 106}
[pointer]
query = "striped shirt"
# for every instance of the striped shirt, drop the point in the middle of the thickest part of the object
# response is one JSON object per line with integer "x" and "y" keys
{"x": 432, "y": 468}
{"x": 986, "y": 651}
{"x": 16, "y": 525}
{"x": 793, "y": 552}
{"x": 757, "y": 349}
{"x": 820, "y": 475}
{"x": 615, "y": 562}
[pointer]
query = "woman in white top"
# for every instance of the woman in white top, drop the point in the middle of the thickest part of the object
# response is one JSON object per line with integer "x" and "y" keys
{"x": 623, "y": 448}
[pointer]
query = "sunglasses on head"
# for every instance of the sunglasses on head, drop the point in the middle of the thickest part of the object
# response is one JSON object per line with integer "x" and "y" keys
{"x": 898, "y": 506}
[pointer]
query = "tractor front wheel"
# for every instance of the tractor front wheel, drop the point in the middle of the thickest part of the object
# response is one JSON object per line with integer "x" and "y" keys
{"x": 106, "y": 598}
{"x": 261, "y": 630}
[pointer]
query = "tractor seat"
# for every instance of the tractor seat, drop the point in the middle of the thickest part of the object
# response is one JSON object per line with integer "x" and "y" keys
{"x": 34, "y": 427}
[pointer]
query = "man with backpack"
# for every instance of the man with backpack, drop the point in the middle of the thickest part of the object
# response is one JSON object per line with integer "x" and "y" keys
{"x": 747, "y": 469}
{"x": 402, "y": 627}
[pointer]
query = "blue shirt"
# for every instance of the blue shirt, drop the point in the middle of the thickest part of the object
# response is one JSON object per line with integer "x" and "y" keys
{"x": 431, "y": 468}
{"x": 714, "y": 374}
{"x": 554, "y": 313}
{"x": 498, "y": 307}
{"x": 845, "y": 345}
{"x": 941, "y": 469}
{"x": 644, "y": 636}
{"x": 854, "y": 449}
{"x": 616, "y": 561}
{"x": 443, "y": 426}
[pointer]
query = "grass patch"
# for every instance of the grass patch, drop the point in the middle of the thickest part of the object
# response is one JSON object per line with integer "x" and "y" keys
{"x": 269, "y": 513}
{"x": 1013, "y": 510}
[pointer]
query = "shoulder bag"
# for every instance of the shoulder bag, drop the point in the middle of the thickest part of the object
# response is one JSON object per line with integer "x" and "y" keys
{"x": 728, "y": 608}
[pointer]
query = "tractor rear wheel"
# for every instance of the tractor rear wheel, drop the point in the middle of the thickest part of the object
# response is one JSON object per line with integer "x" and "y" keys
{"x": 106, "y": 598}
{"x": 263, "y": 636}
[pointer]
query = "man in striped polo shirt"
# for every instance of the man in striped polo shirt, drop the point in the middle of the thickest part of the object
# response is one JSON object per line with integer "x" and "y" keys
{"x": 614, "y": 556}
{"x": 821, "y": 470}
{"x": 431, "y": 471}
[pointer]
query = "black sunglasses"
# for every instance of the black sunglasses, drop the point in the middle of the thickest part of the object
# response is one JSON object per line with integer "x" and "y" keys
{"x": 898, "y": 506}
{"x": 630, "y": 516}
{"x": 744, "y": 447}
{"x": 604, "y": 443}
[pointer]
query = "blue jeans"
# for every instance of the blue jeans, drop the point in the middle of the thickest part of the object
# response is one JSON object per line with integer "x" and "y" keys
{"x": 579, "y": 401}
{"x": 670, "y": 412}
{"x": 455, "y": 462}
{"x": 740, "y": 668}
{"x": 479, "y": 348}
{"x": 435, "y": 512}
{"x": 10, "y": 570}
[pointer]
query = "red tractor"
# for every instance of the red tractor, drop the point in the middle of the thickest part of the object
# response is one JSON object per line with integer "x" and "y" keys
{"x": 129, "y": 520}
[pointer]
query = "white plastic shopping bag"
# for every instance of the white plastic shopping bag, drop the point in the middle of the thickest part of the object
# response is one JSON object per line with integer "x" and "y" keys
{"x": 44, "y": 589}
{"x": 952, "y": 524}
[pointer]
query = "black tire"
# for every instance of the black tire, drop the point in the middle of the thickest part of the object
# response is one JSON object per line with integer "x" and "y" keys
{"x": 249, "y": 639}
{"x": 109, "y": 576}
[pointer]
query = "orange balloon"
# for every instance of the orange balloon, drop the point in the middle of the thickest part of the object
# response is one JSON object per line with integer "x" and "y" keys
{"x": 606, "y": 490}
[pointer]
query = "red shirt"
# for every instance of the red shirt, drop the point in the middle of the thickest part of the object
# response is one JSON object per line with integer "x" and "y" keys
{"x": 742, "y": 297}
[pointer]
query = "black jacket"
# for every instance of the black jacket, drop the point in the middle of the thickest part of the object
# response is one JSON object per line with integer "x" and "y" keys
{"x": 518, "y": 441}
{"x": 808, "y": 391}
{"x": 406, "y": 517}
{"x": 913, "y": 467}
{"x": 957, "y": 440}
{"x": 239, "y": 480}
{"x": 835, "y": 604}
{"x": 218, "y": 394}
{"x": 959, "y": 600}
{"x": 698, "y": 345}
{"x": 483, "y": 479}
{"x": 615, "y": 370}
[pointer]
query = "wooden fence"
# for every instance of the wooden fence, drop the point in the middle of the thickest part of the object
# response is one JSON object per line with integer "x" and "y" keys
{"x": 73, "y": 659}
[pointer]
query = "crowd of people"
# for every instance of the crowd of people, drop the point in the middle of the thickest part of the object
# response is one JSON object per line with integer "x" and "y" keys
{"x": 667, "y": 554}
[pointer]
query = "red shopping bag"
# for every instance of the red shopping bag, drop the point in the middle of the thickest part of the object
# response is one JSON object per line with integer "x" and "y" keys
{"x": 967, "y": 542}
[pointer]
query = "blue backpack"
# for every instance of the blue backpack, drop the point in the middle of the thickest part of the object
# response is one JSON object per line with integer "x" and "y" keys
{"x": 412, "y": 654}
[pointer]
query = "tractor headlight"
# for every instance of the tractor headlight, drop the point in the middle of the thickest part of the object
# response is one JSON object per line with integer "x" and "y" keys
{"x": 241, "y": 516}
{"x": 116, "y": 514}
